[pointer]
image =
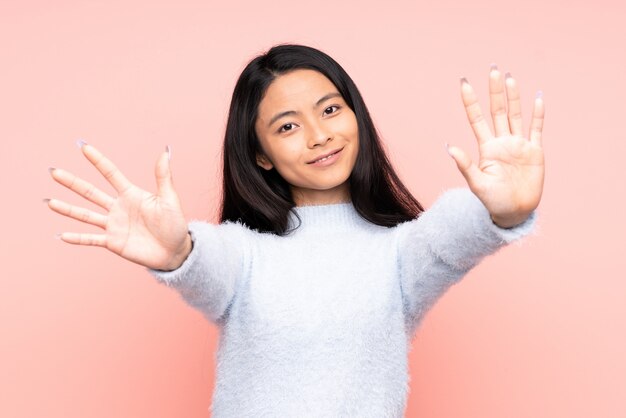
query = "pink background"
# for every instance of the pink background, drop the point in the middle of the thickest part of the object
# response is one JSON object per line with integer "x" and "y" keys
{"x": 537, "y": 330}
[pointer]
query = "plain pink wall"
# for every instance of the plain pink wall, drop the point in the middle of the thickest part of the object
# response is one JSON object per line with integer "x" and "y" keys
{"x": 536, "y": 330}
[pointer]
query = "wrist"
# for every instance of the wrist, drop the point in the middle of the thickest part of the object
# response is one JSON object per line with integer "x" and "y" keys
{"x": 508, "y": 222}
{"x": 179, "y": 258}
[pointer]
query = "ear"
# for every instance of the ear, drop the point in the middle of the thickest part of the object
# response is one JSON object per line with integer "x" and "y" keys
{"x": 264, "y": 162}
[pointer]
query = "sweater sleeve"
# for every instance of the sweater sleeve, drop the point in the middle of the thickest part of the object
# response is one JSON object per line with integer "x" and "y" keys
{"x": 439, "y": 247}
{"x": 207, "y": 280}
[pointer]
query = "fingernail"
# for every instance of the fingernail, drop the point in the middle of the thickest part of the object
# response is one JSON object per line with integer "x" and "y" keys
{"x": 57, "y": 236}
{"x": 464, "y": 80}
{"x": 494, "y": 66}
{"x": 169, "y": 152}
{"x": 507, "y": 75}
{"x": 46, "y": 200}
{"x": 539, "y": 94}
{"x": 80, "y": 143}
{"x": 51, "y": 169}
{"x": 448, "y": 149}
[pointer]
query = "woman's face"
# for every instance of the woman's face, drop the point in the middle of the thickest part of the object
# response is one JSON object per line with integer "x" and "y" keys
{"x": 301, "y": 118}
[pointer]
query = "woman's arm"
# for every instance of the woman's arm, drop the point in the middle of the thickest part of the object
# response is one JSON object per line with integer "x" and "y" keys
{"x": 443, "y": 244}
{"x": 505, "y": 187}
{"x": 150, "y": 229}
{"x": 207, "y": 279}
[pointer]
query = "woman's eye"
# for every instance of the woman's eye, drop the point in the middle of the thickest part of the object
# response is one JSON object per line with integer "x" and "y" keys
{"x": 287, "y": 124}
{"x": 330, "y": 107}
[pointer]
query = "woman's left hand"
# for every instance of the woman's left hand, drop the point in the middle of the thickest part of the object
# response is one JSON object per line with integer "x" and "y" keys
{"x": 509, "y": 176}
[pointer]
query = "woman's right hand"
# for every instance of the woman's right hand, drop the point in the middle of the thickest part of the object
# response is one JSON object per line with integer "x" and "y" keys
{"x": 139, "y": 226}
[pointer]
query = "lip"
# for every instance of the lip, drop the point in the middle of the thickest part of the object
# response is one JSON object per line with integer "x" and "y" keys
{"x": 324, "y": 155}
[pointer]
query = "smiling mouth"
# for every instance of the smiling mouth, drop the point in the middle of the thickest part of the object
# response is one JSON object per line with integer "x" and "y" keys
{"x": 325, "y": 158}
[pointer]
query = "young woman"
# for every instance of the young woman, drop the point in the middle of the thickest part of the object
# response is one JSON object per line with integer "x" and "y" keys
{"x": 324, "y": 264}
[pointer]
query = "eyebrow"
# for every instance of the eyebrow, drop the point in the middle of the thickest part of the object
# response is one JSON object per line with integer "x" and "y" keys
{"x": 293, "y": 112}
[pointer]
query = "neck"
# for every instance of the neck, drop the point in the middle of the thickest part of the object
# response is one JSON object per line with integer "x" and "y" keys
{"x": 325, "y": 218}
{"x": 311, "y": 197}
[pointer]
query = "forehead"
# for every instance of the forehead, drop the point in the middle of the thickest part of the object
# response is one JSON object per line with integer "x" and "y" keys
{"x": 295, "y": 89}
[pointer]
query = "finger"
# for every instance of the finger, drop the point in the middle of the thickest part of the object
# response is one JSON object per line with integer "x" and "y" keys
{"x": 515, "y": 107}
{"x": 106, "y": 168}
{"x": 98, "y": 240}
{"x": 464, "y": 163}
{"x": 536, "y": 124}
{"x": 163, "y": 174}
{"x": 82, "y": 187}
{"x": 75, "y": 212}
{"x": 497, "y": 99}
{"x": 474, "y": 115}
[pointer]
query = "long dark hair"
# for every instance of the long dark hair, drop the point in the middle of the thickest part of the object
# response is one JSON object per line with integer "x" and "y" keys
{"x": 262, "y": 199}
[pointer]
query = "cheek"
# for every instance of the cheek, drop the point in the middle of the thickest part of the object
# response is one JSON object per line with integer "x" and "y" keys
{"x": 349, "y": 126}
{"x": 287, "y": 152}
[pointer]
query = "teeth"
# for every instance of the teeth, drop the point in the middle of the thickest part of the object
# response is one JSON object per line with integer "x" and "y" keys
{"x": 325, "y": 158}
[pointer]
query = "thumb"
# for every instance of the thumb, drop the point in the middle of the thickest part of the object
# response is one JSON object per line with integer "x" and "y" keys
{"x": 163, "y": 174}
{"x": 464, "y": 163}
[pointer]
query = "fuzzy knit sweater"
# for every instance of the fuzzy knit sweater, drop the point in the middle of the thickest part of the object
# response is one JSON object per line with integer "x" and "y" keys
{"x": 319, "y": 323}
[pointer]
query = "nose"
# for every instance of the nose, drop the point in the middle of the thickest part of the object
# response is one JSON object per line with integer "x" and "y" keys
{"x": 319, "y": 135}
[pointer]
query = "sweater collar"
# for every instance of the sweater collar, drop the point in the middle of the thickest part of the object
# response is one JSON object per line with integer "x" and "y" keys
{"x": 324, "y": 217}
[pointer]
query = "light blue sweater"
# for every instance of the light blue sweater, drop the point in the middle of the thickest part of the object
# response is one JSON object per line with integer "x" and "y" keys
{"x": 319, "y": 323}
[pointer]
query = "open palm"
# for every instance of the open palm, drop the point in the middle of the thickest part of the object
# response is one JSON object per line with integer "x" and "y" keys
{"x": 139, "y": 226}
{"x": 508, "y": 178}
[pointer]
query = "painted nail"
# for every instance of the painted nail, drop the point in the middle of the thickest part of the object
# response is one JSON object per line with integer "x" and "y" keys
{"x": 448, "y": 149}
{"x": 51, "y": 169}
{"x": 80, "y": 143}
{"x": 507, "y": 75}
{"x": 57, "y": 236}
{"x": 169, "y": 152}
{"x": 46, "y": 200}
{"x": 464, "y": 81}
{"x": 539, "y": 94}
{"x": 494, "y": 66}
